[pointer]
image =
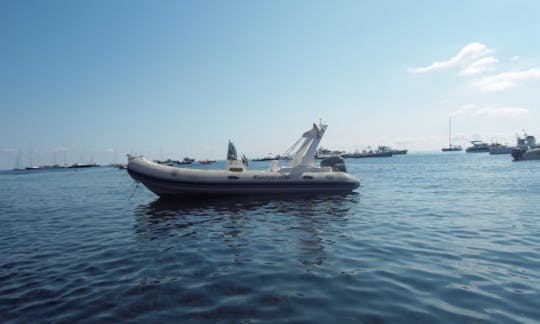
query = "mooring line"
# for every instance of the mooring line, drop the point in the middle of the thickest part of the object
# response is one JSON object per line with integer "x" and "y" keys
{"x": 136, "y": 187}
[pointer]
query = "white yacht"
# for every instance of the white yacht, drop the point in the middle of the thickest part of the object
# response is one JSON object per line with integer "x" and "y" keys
{"x": 300, "y": 176}
{"x": 478, "y": 147}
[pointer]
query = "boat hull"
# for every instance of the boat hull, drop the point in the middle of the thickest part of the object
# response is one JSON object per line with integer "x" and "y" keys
{"x": 501, "y": 150}
{"x": 532, "y": 154}
{"x": 367, "y": 155}
{"x": 452, "y": 149}
{"x": 173, "y": 182}
{"x": 477, "y": 150}
{"x": 521, "y": 154}
{"x": 399, "y": 152}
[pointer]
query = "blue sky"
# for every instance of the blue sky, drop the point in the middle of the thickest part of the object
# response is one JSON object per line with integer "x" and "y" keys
{"x": 184, "y": 77}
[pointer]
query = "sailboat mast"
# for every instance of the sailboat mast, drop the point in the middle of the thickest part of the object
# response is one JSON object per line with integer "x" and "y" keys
{"x": 449, "y": 131}
{"x": 31, "y": 155}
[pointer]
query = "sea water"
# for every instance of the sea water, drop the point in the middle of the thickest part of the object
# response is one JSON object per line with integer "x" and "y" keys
{"x": 441, "y": 237}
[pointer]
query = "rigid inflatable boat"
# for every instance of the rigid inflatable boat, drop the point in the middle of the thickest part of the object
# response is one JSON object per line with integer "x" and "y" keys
{"x": 299, "y": 177}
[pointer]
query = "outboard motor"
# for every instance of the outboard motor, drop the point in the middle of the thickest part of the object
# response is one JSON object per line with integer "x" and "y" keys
{"x": 335, "y": 162}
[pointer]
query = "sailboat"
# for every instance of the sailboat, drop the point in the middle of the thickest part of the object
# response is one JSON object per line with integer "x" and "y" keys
{"x": 451, "y": 148}
{"x": 19, "y": 163}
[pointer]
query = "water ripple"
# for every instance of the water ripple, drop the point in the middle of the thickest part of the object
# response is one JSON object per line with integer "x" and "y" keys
{"x": 413, "y": 245}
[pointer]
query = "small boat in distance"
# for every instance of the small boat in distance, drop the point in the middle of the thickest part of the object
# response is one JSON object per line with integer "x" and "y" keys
{"x": 83, "y": 165}
{"x": 391, "y": 150}
{"x": 299, "y": 177}
{"x": 497, "y": 148}
{"x": 272, "y": 158}
{"x": 168, "y": 162}
{"x": 323, "y": 153}
{"x": 186, "y": 160}
{"x": 367, "y": 154}
{"x": 451, "y": 148}
{"x": 266, "y": 158}
{"x": 119, "y": 166}
{"x": 478, "y": 147}
{"x": 206, "y": 161}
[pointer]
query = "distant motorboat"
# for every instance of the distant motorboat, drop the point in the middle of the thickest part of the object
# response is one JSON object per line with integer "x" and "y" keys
{"x": 399, "y": 152}
{"x": 300, "y": 177}
{"x": 497, "y": 148}
{"x": 206, "y": 161}
{"x": 186, "y": 160}
{"x": 119, "y": 166}
{"x": 267, "y": 158}
{"x": 168, "y": 162}
{"x": 367, "y": 154}
{"x": 391, "y": 150}
{"x": 478, "y": 147}
{"x": 83, "y": 165}
{"x": 272, "y": 158}
{"x": 323, "y": 153}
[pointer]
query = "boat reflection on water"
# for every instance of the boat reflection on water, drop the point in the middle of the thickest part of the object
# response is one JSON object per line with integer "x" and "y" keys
{"x": 262, "y": 229}
{"x": 163, "y": 209}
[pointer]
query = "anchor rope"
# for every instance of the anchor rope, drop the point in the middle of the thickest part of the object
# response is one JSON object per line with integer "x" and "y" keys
{"x": 136, "y": 187}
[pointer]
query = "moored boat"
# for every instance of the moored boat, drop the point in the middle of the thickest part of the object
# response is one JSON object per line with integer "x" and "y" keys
{"x": 497, "y": 148}
{"x": 83, "y": 165}
{"x": 451, "y": 148}
{"x": 323, "y": 153}
{"x": 526, "y": 149}
{"x": 391, "y": 150}
{"x": 300, "y": 176}
{"x": 207, "y": 161}
{"x": 272, "y": 158}
{"x": 186, "y": 160}
{"x": 532, "y": 154}
{"x": 478, "y": 147}
{"x": 367, "y": 154}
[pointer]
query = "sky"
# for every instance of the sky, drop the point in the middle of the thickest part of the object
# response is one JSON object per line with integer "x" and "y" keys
{"x": 94, "y": 80}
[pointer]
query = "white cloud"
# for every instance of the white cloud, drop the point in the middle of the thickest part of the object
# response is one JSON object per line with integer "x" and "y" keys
{"x": 468, "y": 53}
{"x": 485, "y": 111}
{"x": 506, "y": 80}
{"x": 515, "y": 58}
{"x": 479, "y": 66}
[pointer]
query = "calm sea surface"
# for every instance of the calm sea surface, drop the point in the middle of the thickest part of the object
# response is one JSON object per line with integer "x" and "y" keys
{"x": 426, "y": 238}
